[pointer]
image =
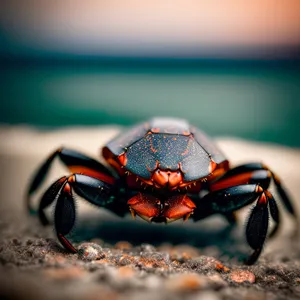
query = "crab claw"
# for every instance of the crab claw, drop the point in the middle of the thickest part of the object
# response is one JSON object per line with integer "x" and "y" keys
{"x": 144, "y": 205}
{"x": 177, "y": 207}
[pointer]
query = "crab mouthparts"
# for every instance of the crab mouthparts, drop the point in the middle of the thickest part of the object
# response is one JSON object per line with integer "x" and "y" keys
{"x": 152, "y": 209}
{"x": 162, "y": 178}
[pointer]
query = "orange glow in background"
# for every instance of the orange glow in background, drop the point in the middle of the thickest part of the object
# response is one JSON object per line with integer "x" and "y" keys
{"x": 152, "y": 28}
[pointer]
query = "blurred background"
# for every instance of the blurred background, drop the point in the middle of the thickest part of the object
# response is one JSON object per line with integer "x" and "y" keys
{"x": 230, "y": 67}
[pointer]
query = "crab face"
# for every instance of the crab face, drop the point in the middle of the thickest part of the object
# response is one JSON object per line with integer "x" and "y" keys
{"x": 166, "y": 155}
{"x": 162, "y": 154}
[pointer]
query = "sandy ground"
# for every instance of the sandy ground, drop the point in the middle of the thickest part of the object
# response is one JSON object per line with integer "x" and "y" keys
{"x": 126, "y": 259}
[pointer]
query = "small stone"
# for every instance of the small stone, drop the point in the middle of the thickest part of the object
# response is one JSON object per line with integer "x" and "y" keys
{"x": 221, "y": 268}
{"x": 154, "y": 260}
{"x": 39, "y": 252}
{"x": 126, "y": 260}
{"x": 240, "y": 276}
{"x": 90, "y": 251}
{"x": 147, "y": 248}
{"x": 202, "y": 264}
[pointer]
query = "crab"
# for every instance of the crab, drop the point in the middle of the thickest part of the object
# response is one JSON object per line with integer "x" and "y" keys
{"x": 162, "y": 170}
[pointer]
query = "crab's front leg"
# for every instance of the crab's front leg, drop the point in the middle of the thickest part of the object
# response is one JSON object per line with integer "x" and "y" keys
{"x": 233, "y": 198}
{"x": 91, "y": 189}
{"x": 91, "y": 180}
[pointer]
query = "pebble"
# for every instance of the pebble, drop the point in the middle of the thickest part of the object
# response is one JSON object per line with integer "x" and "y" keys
{"x": 90, "y": 251}
{"x": 154, "y": 260}
{"x": 126, "y": 260}
{"x": 221, "y": 268}
{"x": 147, "y": 248}
{"x": 202, "y": 264}
{"x": 240, "y": 276}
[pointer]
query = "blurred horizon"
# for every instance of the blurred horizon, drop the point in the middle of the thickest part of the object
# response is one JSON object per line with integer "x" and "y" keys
{"x": 231, "y": 68}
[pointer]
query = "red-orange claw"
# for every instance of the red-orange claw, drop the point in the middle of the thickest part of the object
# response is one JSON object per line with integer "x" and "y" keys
{"x": 144, "y": 205}
{"x": 177, "y": 207}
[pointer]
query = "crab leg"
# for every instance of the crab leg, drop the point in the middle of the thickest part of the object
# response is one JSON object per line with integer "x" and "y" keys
{"x": 76, "y": 163}
{"x": 254, "y": 173}
{"x": 91, "y": 189}
{"x": 233, "y": 198}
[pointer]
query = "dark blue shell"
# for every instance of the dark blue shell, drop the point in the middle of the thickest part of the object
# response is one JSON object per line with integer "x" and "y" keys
{"x": 169, "y": 143}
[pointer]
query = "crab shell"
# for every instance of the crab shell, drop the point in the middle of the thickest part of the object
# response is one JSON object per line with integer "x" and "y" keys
{"x": 167, "y": 154}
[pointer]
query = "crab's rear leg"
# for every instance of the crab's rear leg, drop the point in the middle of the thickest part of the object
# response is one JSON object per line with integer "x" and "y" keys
{"x": 254, "y": 173}
{"x": 91, "y": 189}
{"x": 233, "y": 198}
{"x": 76, "y": 162}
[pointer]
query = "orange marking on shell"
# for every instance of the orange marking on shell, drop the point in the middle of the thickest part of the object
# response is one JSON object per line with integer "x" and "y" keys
{"x": 151, "y": 146}
{"x": 122, "y": 159}
{"x": 155, "y": 130}
{"x": 185, "y": 152}
{"x": 187, "y": 147}
{"x": 153, "y": 149}
{"x": 212, "y": 166}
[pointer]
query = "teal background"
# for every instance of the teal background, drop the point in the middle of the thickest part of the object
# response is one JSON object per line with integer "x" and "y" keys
{"x": 256, "y": 100}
